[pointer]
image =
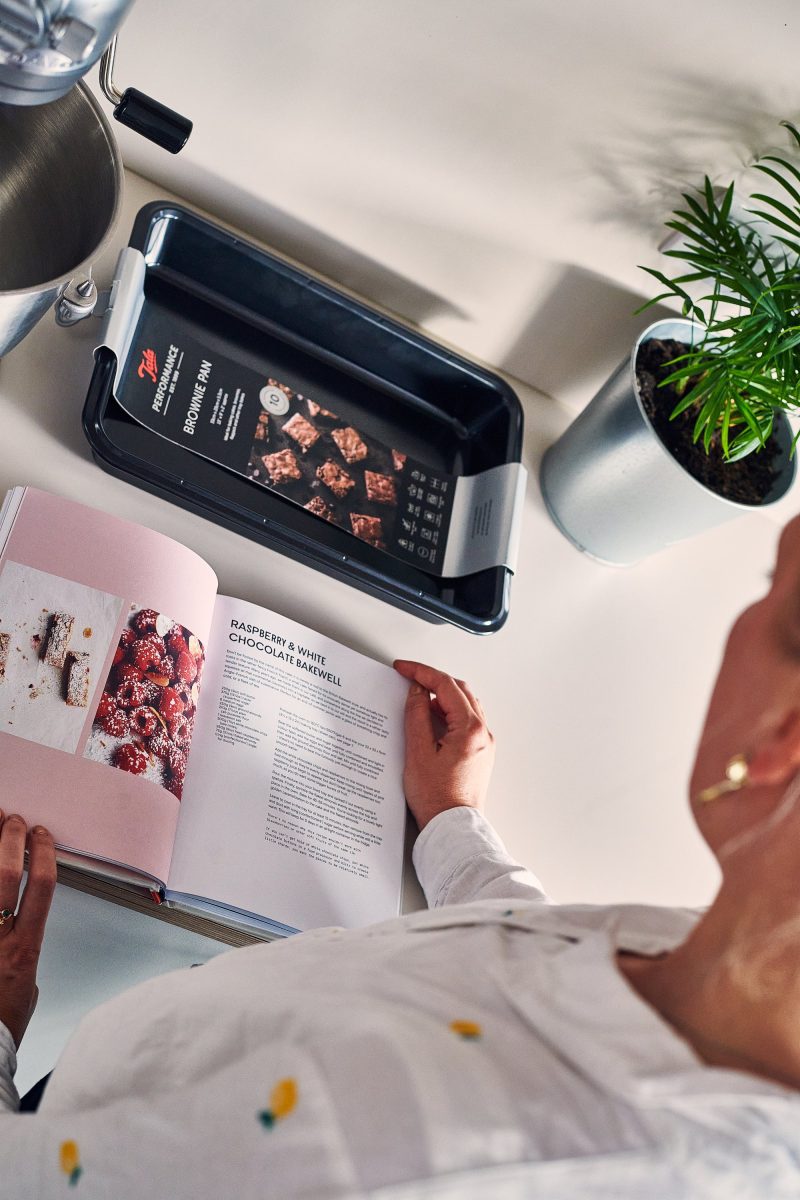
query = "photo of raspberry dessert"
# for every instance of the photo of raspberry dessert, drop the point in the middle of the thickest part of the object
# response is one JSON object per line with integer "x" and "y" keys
{"x": 145, "y": 717}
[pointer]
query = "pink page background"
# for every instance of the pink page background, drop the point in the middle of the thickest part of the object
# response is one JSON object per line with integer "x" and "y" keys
{"x": 91, "y": 807}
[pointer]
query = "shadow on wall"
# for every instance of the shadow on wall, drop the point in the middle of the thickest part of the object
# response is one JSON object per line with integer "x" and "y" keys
{"x": 310, "y": 247}
{"x": 580, "y": 332}
{"x": 709, "y": 127}
{"x": 631, "y": 179}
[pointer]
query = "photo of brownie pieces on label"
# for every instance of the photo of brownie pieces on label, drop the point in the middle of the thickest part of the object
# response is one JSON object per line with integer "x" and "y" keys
{"x": 316, "y": 410}
{"x": 302, "y": 431}
{"x": 319, "y": 508}
{"x": 351, "y": 447}
{"x": 310, "y": 455}
{"x": 78, "y": 678}
{"x": 58, "y": 639}
{"x": 380, "y": 488}
{"x": 283, "y": 387}
{"x": 335, "y": 478}
{"x": 282, "y": 466}
{"x": 5, "y": 641}
{"x": 369, "y": 529}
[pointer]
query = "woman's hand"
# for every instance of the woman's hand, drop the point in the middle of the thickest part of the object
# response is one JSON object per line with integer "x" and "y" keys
{"x": 449, "y": 749}
{"x": 21, "y": 934}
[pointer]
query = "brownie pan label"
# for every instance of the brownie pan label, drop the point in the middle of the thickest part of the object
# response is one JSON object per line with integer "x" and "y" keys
{"x": 280, "y": 439}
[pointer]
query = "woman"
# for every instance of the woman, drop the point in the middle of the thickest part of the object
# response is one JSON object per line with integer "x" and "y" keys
{"x": 496, "y": 1045}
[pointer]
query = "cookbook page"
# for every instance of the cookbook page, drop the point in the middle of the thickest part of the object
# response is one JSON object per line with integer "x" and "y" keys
{"x": 102, "y": 630}
{"x": 293, "y": 803}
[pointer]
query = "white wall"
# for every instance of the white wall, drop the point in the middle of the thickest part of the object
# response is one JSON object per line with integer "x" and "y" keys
{"x": 494, "y": 171}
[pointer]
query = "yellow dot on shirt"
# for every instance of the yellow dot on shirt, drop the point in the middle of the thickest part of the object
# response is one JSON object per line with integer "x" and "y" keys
{"x": 469, "y": 1030}
{"x": 69, "y": 1160}
{"x": 282, "y": 1099}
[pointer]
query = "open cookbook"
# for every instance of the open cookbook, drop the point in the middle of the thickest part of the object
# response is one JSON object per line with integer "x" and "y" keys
{"x": 231, "y": 761}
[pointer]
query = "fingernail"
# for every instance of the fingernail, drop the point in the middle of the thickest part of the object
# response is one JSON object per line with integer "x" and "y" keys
{"x": 416, "y": 689}
{"x": 38, "y": 829}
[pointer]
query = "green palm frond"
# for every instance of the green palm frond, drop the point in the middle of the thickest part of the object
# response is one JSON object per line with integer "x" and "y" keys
{"x": 745, "y": 366}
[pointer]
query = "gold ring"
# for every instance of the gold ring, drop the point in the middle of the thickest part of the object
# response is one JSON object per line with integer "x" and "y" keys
{"x": 736, "y": 776}
{"x": 5, "y": 914}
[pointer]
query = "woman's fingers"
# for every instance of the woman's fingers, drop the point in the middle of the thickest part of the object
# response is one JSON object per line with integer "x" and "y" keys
{"x": 473, "y": 699}
{"x": 454, "y": 705}
{"x": 449, "y": 750}
{"x": 30, "y": 921}
{"x": 419, "y": 718}
{"x": 21, "y": 937}
{"x": 13, "y": 833}
{"x": 37, "y": 897}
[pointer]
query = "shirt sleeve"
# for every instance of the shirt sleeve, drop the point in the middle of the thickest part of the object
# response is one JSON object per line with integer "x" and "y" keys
{"x": 459, "y": 858}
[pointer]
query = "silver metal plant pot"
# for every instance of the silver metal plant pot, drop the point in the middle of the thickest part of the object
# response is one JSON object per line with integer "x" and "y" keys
{"x": 614, "y": 489}
{"x": 60, "y": 184}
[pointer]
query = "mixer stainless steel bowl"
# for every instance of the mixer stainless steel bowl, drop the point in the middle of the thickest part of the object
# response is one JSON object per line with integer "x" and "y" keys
{"x": 60, "y": 184}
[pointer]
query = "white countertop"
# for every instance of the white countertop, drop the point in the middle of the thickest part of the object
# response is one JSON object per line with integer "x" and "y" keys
{"x": 595, "y": 687}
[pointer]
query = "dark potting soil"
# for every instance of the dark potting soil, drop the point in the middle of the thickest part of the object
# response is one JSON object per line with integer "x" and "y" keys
{"x": 748, "y": 481}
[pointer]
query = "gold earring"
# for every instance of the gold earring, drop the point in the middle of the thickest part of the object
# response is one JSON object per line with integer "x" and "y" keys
{"x": 736, "y": 776}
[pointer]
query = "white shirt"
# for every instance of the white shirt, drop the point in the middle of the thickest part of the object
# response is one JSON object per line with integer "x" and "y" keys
{"x": 488, "y": 1047}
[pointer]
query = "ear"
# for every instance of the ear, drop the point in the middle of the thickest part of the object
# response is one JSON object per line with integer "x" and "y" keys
{"x": 776, "y": 757}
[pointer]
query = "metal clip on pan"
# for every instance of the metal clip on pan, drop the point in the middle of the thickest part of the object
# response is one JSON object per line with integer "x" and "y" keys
{"x": 142, "y": 113}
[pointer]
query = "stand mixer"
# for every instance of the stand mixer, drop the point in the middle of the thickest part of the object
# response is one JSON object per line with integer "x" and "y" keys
{"x": 60, "y": 169}
{"x": 47, "y": 46}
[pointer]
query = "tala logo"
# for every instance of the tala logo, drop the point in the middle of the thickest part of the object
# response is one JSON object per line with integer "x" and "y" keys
{"x": 148, "y": 365}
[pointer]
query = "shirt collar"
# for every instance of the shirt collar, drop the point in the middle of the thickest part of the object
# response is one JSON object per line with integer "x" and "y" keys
{"x": 640, "y": 928}
{"x": 579, "y": 1001}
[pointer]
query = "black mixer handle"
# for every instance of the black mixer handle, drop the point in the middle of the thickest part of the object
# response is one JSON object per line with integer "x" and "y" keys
{"x": 142, "y": 113}
{"x": 153, "y": 120}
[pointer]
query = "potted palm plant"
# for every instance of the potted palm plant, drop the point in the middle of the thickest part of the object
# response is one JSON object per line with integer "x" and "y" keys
{"x": 692, "y": 429}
